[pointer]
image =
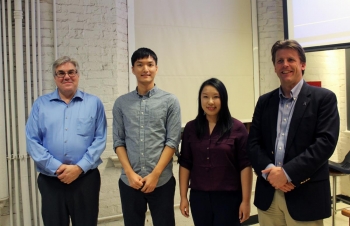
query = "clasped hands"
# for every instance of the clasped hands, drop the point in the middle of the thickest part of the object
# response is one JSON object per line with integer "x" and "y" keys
{"x": 146, "y": 184}
{"x": 278, "y": 179}
{"x": 68, "y": 173}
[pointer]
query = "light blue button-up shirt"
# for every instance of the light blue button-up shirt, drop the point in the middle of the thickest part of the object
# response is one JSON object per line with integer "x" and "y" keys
{"x": 144, "y": 125}
{"x": 59, "y": 133}
{"x": 285, "y": 113}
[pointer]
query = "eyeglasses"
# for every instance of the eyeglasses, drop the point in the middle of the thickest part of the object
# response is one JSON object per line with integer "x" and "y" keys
{"x": 70, "y": 73}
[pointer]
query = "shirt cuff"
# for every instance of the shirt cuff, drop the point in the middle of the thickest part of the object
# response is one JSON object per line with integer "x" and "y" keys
{"x": 84, "y": 165}
{"x": 288, "y": 178}
{"x": 264, "y": 175}
{"x": 55, "y": 164}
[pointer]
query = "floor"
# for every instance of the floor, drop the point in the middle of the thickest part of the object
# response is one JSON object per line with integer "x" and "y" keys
{"x": 340, "y": 220}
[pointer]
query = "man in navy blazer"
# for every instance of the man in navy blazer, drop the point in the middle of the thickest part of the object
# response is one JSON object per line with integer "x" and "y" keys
{"x": 294, "y": 131}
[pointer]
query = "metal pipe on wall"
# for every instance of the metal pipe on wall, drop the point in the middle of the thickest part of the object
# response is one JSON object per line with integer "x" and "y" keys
{"x": 4, "y": 193}
{"x": 22, "y": 153}
{"x": 54, "y": 29}
{"x": 28, "y": 68}
{"x": 13, "y": 119}
{"x": 40, "y": 77}
{"x": 23, "y": 205}
{"x": 7, "y": 111}
{"x": 34, "y": 62}
{"x": 38, "y": 89}
{"x": 29, "y": 74}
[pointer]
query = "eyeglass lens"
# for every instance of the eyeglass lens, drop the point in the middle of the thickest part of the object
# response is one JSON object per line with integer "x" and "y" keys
{"x": 70, "y": 73}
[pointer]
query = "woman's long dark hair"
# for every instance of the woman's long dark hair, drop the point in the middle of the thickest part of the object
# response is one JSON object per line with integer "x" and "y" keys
{"x": 224, "y": 121}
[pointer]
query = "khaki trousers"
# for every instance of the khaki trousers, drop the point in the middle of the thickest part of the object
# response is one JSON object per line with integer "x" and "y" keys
{"x": 278, "y": 215}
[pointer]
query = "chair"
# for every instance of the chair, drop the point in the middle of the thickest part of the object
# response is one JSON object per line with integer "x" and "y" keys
{"x": 343, "y": 167}
{"x": 335, "y": 170}
{"x": 346, "y": 212}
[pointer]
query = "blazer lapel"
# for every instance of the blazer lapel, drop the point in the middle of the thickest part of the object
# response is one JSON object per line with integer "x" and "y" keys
{"x": 273, "y": 115}
{"x": 299, "y": 110}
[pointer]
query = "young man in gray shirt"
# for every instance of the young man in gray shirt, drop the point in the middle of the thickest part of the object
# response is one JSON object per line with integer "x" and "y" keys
{"x": 146, "y": 134}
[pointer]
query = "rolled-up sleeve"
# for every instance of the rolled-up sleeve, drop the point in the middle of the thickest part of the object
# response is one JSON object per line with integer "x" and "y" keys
{"x": 118, "y": 126}
{"x": 185, "y": 158}
{"x": 173, "y": 129}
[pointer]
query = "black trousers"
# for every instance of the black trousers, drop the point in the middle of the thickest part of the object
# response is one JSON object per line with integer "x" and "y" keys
{"x": 78, "y": 200}
{"x": 160, "y": 202}
{"x": 215, "y": 208}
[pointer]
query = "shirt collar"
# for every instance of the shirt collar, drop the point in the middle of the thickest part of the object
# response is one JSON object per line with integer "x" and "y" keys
{"x": 294, "y": 93}
{"x": 149, "y": 93}
{"x": 78, "y": 95}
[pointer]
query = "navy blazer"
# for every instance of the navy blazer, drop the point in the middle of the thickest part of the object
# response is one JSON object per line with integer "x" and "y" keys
{"x": 312, "y": 138}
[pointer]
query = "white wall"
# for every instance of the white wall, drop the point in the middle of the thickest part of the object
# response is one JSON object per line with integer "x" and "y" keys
{"x": 329, "y": 67}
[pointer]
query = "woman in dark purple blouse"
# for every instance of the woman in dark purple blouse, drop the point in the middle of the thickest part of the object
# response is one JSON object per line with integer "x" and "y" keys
{"x": 214, "y": 162}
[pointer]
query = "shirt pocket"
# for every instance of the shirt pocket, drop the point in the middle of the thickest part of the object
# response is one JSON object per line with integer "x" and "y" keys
{"x": 85, "y": 126}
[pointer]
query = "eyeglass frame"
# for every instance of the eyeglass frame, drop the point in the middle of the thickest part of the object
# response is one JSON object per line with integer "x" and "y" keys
{"x": 70, "y": 73}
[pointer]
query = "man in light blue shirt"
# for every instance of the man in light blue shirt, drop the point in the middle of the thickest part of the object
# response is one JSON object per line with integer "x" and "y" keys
{"x": 146, "y": 134}
{"x": 66, "y": 135}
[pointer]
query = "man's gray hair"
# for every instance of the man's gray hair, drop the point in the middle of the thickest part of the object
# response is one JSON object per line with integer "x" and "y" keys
{"x": 63, "y": 60}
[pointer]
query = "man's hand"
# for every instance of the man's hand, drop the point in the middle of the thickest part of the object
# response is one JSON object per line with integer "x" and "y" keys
{"x": 134, "y": 180}
{"x": 68, "y": 173}
{"x": 287, "y": 187}
{"x": 150, "y": 182}
{"x": 276, "y": 177}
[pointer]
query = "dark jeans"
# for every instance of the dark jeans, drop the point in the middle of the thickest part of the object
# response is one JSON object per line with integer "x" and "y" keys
{"x": 78, "y": 200}
{"x": 160, "y": 202}
{"x": 217, "y": 208}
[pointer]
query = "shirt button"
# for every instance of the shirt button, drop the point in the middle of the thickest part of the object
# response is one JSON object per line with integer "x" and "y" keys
{"x": 279, "y": 148}
{"x": 282, "y": 134}
{"x": 142, "y": 112}
{"x": 65, "y": 141}
{"x": 207, "y": 147}
{"x": 66, "y": 129}
{"x": 207, "y": 157}
{"x": 141, "y": 140}
{"x": 284, "y": 119}
{"x": 141, "y": 126}
{"x": 272, "y": 152}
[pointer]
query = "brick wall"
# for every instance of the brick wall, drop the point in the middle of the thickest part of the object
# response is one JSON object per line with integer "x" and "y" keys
{"x": 270, "y": 29}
